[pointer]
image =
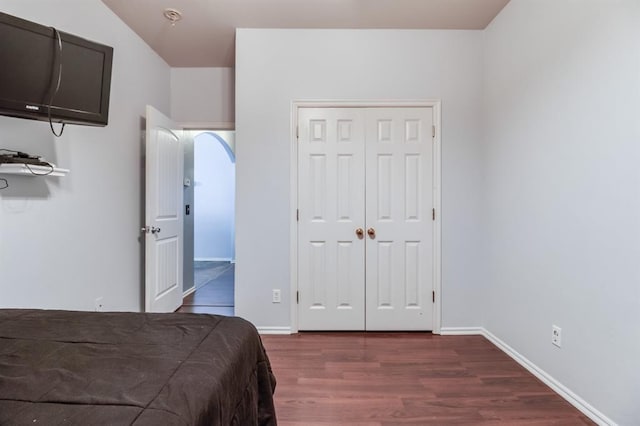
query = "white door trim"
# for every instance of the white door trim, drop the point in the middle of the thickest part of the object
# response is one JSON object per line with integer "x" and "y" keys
{"x": 435, "y": 104}
{"x": 207, "y": 125}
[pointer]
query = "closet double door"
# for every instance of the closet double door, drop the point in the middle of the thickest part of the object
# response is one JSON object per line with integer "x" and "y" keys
{"x": 365, "y": 218}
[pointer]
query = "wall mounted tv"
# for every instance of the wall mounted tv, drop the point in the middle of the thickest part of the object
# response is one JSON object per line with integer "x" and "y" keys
{"x": 36, "y": 59}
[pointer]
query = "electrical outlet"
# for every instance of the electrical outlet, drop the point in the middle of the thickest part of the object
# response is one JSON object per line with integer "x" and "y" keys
{"x": 556, "y": 336}
{"x": 98, "y": 304}
{"x": 276, "y": 296}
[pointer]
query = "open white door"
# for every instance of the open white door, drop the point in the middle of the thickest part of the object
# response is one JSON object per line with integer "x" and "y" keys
{"x": 163, "y": 214}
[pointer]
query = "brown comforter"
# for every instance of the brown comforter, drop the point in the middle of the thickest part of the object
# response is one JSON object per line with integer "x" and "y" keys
{"x": 59, "y": 367}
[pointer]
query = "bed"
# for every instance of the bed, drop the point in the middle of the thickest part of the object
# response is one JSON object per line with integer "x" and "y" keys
{"x": 98, "y": 368}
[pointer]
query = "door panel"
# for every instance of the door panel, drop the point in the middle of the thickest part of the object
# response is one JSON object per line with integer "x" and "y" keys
{"x": 399, "y": 200}
{"x": 331, "y": 208}
{"x": 163, "y": 214}
{"x": 368, "y": 168}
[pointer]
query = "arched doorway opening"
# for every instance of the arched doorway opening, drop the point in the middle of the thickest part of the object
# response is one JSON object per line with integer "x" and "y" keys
{"x": 213, "y": 223}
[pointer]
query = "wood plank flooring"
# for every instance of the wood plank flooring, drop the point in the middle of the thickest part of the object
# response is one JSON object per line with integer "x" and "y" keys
{"x": 383, "y": 379}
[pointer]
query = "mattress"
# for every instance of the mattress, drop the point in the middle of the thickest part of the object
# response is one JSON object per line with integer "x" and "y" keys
{"x": 97, "y": 368}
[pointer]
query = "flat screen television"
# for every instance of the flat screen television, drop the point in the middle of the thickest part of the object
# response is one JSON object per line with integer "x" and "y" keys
{"x": 34, "y": 58}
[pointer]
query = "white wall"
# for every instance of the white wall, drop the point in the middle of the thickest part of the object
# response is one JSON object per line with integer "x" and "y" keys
{"x": 203, "y": 95}
{"x": 65, "y": 241}
{"x": 214, "y": 212}
{"x": 274, "y": 67}
{"x": 562, "y": 193}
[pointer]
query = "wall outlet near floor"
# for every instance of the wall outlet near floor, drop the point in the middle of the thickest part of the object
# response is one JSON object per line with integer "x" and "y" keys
{"x": 556, "y": 336}
{"x": 275, "y": 298}
{"x": 99, "y": 307}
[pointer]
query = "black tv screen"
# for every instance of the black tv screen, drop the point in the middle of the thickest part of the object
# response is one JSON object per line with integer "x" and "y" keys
{"x": 30, "y": 60}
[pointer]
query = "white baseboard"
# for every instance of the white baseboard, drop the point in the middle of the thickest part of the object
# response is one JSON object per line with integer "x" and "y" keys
{"x": 188, "y": 291}
{"x": 584, "y": 407}
{"x": 274, "y": 330}
{"x": 212, "y": 259}
{"x": 461, "y": 331}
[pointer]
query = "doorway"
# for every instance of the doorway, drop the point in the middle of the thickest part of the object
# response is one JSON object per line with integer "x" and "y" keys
{"x": 367, "y": 232}
{"x": 213, "y": 223}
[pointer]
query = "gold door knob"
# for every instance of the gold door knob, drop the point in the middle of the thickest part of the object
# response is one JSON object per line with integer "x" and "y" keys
{"x": 372, "y": 233}
{"x": 360, "y": 233}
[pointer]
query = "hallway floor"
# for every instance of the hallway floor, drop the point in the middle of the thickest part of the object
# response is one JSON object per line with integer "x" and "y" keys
{"x": 214, "y": 293}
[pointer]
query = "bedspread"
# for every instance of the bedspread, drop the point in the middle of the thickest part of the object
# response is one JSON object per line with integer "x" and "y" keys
{"x": 96, "y": 368}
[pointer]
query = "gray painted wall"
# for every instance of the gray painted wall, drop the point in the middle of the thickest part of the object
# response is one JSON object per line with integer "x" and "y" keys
{"x": 351, "y": 64}
{"x": 561, "y": 209}
{"x": 203, "y": 96}
{"x": 66, "y": 241}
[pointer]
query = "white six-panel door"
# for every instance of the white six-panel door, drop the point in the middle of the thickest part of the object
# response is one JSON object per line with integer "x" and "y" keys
{"x": 331, "y": 250}
{"x": 365, "y": 195}
{"x": 399, "y": 202}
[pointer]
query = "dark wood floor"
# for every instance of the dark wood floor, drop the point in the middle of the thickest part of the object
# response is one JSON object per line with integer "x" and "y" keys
{"x": 374, "y": 379}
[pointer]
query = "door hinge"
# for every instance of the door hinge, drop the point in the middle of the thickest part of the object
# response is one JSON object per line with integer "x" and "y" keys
{"x": 433, "y": 131}
{"x": 433, "y": 296}
{"x": 297, "y": 297}
{"x": 297, "y": 132}
{"x": 433, "y": 214}
{"x": 297, "y": 215}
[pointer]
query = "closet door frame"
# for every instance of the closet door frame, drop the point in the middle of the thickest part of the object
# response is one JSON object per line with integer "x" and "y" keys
{"x": 435, "y": 105}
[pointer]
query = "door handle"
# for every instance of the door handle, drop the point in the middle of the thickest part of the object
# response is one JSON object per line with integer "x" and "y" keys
{"x": 372, "y": 233}
{"x": 152, "y": 229}
{"x": 360, "y": 233}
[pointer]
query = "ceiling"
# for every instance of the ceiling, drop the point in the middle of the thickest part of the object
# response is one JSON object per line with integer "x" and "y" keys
{"x": 205, "y": 36}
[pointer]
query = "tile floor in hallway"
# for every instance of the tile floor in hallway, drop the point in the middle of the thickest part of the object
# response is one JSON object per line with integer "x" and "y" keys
{"x": 214, "y": 293}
